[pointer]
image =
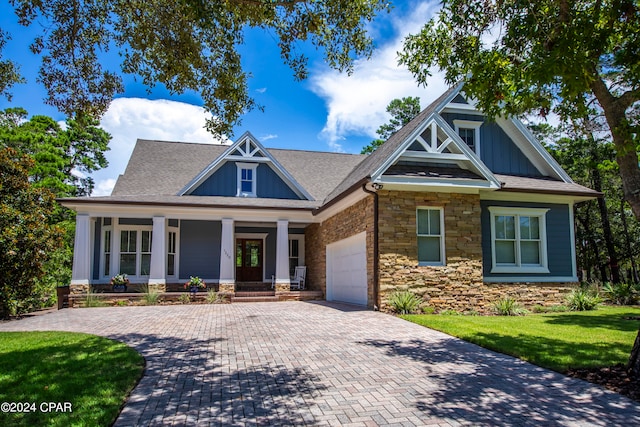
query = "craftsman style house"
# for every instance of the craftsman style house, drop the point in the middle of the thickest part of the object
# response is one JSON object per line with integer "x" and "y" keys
{"x": 453, "y": 207}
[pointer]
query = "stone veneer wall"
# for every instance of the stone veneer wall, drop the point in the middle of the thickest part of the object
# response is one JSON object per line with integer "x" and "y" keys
{"x": 349, "y": 222}
{"x": 458, "y": 285}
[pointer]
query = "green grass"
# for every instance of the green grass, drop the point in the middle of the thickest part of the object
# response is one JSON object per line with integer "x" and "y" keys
{"x": 557, "y": 341}
{"x": 94, "y": 374}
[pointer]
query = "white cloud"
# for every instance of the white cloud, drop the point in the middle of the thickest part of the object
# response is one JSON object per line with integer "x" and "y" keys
{"x": 128, "y": 119}
{"x": 261, "y": 90}
{"x": 356, "y": 104}
{"x": 267, "y": 137}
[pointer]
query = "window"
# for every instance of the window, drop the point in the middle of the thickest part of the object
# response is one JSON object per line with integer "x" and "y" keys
{"x": 246, "y": 179}
{"x": 294, "y": 255}
{"x": 518, "y": 240}
{"x": 430, "y": 231}
{"x": 469, "y": 132}
{"x": 135, "y": 252}
{"x": 107, "y": 252}
{"x": 171, "y": 253}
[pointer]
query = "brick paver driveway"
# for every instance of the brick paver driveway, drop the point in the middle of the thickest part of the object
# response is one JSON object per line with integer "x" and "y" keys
{"x": 298, "y": 363}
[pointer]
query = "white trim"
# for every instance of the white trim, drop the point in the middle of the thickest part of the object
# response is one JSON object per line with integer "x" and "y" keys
{"x": 158, "y": 264}
{"x": 80, "y": 272}
{"x": 300, "y": 239}
{"x": 137, "y": 277}
{"x": 443, "y": 256}
{"x": 529, "y": 279}
{"x": 282, "y": 252}
{"x": 253, "y": 167}
{"x": 468, "y": 124}
{"x": 518, "y": 267}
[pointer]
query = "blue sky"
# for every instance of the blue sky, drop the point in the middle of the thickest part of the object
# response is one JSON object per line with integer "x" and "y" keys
{"x": 327, "y": 112}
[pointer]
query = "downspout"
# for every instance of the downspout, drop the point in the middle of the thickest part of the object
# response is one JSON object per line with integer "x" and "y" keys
{"x": 375, "y": 245}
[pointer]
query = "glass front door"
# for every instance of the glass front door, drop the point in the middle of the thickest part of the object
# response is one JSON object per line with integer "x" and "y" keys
{"x": 248, "y": 260}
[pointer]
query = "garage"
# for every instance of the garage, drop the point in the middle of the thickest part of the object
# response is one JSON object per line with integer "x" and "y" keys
{"x": 347, "y": 270}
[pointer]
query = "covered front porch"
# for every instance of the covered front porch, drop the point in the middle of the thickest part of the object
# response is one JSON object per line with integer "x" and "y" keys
{"x": 232, "y": 255}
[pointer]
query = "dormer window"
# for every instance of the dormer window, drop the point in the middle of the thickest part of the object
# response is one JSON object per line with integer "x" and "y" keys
{"x": 246, "y": 179}
{"x": 469, "y": 132}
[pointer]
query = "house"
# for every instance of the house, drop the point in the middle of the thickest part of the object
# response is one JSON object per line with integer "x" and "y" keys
{"x": 453, "y": 207}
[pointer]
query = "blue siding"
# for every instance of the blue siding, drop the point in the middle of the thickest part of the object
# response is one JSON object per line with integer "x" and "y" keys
{"x": 200, "y": 249}
{"x": 559, "y": 243}
{"x": 497, "y": 150}
{"x": 224, "y": 182}
{"x": 97, "y": 242}
{"x": 270, "y": 185}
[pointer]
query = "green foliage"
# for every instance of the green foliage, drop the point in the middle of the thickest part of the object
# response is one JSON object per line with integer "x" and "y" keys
{"x": 151, "y": 296}
{"x": 95, "y": 374}
{"x": 450, "y": 312}
{"x": 184, "y": 298}
{"x": 508, "y": 306}
{"x": 93, "y": 300}
{"x": 214, "y": 297}
{"x": 27, "y": 241}
{"x": 200, "y": 52}
{"x": 621, "y": 293}
{"x": 404, "y": 302}
{"x": 402, "y": 112}
{"x": 567, "y": 57}
{"x": 556, "y": 341}
{"x": 550, "y": 309}
{"x": 584, "y": 298}
{"x": 428, "y": 309}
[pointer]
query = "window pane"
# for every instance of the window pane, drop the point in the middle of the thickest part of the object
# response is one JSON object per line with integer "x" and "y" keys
{"x": 293, "y": 248}
{"x": 128, "y": 241}
{"x": 468, "y": 135}
{"x": 107, "y": 241}
{"x": 171, "y": 265}
{"x": 429, "y": 249}
{"x": 505, "y": 227}
{"x": 530, "y": 252}
{"x": 434, "y": 222}
{"x": 505, "y": 252}
{"x": 146, "y": 241}
{"x": 107, "y": 264}
{"x": 535, "y": 227}
{"x": 128, "y": 264}
{"x": 145, "y": 264}
{"x": 423, "y": 221}
{"x": 238, "y": 254}
{"x": 247, "y": 187}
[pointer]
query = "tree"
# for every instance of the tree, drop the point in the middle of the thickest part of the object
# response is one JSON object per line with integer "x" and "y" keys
{"x": 402, "y": 112}
{"x": 524, "y": 56}
{"x": 184, "y": 45}
{"x": 27, "y": 240}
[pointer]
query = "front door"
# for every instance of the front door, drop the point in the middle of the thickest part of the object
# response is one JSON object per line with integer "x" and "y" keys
{"x": 248, "y": 260}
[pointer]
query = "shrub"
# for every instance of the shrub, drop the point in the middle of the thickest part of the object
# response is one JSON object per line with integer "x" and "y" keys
{"x": 550, "y": 308}
{"x": 583, "y": 299}
{"x": 428, "y": 309}
{"x": 94, "y": 301}
{"x": 621, "y": 293}
{"x": 184, "y": 298}
{"x": 404, "y": 302}
{"x": 151, "y": 296}
{"x": 449, "y": 312}
{"x": 214, "y": 297}
{"x": 508, "y": 306}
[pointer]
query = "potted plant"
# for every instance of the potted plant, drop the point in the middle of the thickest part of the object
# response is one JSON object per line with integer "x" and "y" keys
{"x": 194, "y": 284}
{"x": 119, "y": 282}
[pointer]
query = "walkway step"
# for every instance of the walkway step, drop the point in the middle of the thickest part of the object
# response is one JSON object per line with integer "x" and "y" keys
{"x": 255, "y": 299}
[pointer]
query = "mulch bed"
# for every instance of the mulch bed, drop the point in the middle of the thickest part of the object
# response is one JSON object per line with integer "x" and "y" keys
{"x": 614, "y": 378}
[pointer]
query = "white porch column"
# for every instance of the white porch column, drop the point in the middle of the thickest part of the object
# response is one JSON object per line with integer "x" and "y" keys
{"x": 283, "y": 283}
{"x": 158, "y": 268}
{"x": 81, "y": 255}
{"x": 227, "y": 257}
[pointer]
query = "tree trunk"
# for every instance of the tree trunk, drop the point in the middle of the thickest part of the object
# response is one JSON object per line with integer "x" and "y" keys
{"x": 627, "y": 238}
{"x": 633, "y": 365}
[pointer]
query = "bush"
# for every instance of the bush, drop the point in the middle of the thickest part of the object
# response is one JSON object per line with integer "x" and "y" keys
{"x": 404, "y": 302}
{"x": 151, "y": 296}
{"x": 94, "y": 301}
{"x": 583, "y": 299}
{"x": 450, "y": 312}
{"x": 621, "y": 293}
{"x": 184, "y": 298}
{"x": 214, "y": 297}
{"x": 508, "y": 306}
{"x": 550, "y": 309}
{"x": 428, "y": 309}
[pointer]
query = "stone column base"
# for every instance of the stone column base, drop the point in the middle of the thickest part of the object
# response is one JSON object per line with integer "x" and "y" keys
{"x": 76, "y": 289}
{"x": 227, "y": 288}
{"x": 283, "y": 287}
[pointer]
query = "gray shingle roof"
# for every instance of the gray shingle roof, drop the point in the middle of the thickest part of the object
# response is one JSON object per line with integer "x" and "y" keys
{"x": 158, "y": 168}
{"x": 543, "y": 185}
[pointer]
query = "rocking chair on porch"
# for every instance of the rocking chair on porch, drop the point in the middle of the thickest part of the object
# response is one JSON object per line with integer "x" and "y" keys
{"x": 299, "y": 275}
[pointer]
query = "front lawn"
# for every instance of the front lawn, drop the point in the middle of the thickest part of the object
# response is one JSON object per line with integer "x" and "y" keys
{"x": 557, "y": 341}
{"x": 64, "y": 379}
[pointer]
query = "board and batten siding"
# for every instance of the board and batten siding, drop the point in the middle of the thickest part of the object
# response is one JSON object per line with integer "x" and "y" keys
{"x": 200, "y": 249}
{"x": 224, "y": 182}
{"x": 559, "y": 253}
{"x": 497, "y": 150}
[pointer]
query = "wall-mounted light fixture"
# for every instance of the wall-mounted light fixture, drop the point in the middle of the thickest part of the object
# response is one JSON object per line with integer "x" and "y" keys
{"x": 377, "y": 186}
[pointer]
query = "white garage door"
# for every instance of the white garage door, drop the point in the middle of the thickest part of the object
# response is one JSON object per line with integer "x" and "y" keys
{"x": 347, "y": 270}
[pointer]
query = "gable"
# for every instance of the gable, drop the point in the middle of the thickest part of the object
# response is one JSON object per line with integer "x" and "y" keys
{"x": 497, "y": 150}
{"x": 246, "y": 169}
{"x": 223, "y": 182}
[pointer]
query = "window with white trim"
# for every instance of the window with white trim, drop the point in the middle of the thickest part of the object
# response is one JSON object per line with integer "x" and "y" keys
{"x": 469, "y": 132}
{"x": 106, "y": 257}
{"x": 246, "y": 186}
{"x": 430, "y": 233}
{"x": 171, "y": 253}
{"x": 518, "y": 240}
{"x": 135, "y": 252}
